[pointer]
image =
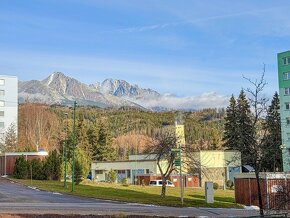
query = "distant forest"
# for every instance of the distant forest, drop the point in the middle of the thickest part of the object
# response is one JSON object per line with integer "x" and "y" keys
{"x": 126, "y": 130}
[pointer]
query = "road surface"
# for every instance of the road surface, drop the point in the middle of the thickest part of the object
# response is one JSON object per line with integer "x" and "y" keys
{"x": 16, "y": 198}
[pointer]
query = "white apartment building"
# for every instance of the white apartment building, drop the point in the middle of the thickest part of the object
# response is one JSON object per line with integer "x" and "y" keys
{"x": 8, "y": 103}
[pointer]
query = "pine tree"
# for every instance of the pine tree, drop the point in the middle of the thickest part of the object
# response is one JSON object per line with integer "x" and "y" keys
{"x": 273, "y": 138}
{"x": 245, "y": 128}
{"x": 82, "y": 137}
{"x": 93, "y": 137}
{"x": 230, "y": 128}
{"x": 79, "y": 173}
{"x": 103, "y": 150}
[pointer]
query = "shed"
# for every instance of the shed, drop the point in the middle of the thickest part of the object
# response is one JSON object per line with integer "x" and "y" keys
{"x": 275, "y": 188}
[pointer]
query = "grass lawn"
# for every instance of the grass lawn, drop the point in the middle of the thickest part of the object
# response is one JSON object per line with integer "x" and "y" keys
{"x": 193, "y": 197}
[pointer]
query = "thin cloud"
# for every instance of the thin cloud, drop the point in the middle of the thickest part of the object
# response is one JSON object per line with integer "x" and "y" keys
{"x": 193, "y": 21}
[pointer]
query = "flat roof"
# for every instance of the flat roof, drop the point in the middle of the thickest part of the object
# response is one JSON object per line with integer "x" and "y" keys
{"x": 123, "y": 161}
{"x": 263, "y": 175}
{"x": 8, "y": 76}
{"x": 284, "y": 52}
{"x": 41, "y": 153}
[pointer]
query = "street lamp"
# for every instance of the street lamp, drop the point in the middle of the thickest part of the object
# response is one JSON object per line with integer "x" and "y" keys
{"x": 65, "y": 150}
{"x": 74, "y": 146}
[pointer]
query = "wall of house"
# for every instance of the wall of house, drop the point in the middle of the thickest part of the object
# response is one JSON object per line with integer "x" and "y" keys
{"x": 126, "y": 169}
{"x": 284, "y": 83}
{"x": 9, "y": 103}
{"x": 215, "y": 166}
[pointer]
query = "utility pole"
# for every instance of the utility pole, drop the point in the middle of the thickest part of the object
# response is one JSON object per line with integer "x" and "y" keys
{"x": 74, "y": 146}
{"x": 65, "y": 151}
{"x": 178, "y": 162}
{"x": 180, "y": 173}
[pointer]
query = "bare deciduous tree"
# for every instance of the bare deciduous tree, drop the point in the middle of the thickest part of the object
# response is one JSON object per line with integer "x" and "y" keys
{"x": 255, "y": 154}
{"x": 160, "y": 146}
{"x": 10, "y": 138}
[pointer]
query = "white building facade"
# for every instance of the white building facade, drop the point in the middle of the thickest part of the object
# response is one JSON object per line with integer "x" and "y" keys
{"x": 8, "y": 104}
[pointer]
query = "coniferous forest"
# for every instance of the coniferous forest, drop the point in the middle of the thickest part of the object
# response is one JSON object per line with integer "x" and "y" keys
{"x": 105, "y": 134}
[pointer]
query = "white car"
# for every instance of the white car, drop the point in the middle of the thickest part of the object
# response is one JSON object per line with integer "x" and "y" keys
{"x": 159, "y": 183}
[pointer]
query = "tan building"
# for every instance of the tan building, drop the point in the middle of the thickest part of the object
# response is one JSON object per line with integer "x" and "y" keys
{"x": 216, "y": 166}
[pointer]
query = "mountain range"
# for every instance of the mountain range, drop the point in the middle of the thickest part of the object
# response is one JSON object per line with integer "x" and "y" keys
{"x": 111, "y": 93}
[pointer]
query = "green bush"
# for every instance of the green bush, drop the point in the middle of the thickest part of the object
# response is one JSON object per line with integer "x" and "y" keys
{"x": 36, "y": 167}
{"x": 52, "y": 166}
{"x": 215, "y": 186}
{"x": 124, "y": 181}
{"x": 229, "y": 183}
{"x": 112, "y": 176}
{"x": 21, "y": 168}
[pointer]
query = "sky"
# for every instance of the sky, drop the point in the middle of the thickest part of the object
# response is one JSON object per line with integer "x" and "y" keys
{"x": 183, "y": 47}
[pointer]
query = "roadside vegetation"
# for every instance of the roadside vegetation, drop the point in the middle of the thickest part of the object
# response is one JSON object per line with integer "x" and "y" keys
{"x": 193, "y": 197}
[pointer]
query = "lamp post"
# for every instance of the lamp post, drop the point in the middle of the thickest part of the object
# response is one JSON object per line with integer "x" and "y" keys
{"x": 74, "y": 146}
{"x": 65, "y": 150}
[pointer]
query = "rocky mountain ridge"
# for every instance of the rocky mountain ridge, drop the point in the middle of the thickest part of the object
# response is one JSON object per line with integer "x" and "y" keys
{"x": 61, "y": 89}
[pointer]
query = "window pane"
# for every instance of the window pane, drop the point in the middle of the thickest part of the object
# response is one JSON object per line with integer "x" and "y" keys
{"x": 1, "y": 113}
{"x": 2, "y": 82}
{"x": 287, "y": 91}
{"x": 288, "y": 60}
{"x": 288, "y": 120}
{"x": 99, "y": 171}
{"x": 286, "y": 75}
{"x": 2, "y": 92}
{"x": 287, "y": 105}
{"x": 1, "y": 124}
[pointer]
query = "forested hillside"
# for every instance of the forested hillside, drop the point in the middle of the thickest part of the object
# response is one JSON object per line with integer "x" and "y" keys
{"x": 124, "y": 131}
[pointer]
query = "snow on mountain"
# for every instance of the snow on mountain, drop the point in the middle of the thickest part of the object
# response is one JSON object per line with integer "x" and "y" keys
{"x": 121, "y": 88}
{"x": 61, "y": 89}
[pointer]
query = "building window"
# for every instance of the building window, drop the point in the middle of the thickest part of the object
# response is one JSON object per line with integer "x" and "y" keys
{"x": 1, "y": 113}
{"x": 2, "y": 82}
{"x": 1, "y": 124}
{"x": 287, "y": 105}
{"x": 286, "y": 60}
{"x": 128, "y": 173}
{"x": 287, "y": 91}
{"x": 2, "y": 92}
{"x": 286, "y": 75}
{"x": 2, "y": 103}
{"x": 288, "y": 136}
{"x": 147, "y": 171}
{"x": 288, "y": 120}
{"x": 99, "y": 171}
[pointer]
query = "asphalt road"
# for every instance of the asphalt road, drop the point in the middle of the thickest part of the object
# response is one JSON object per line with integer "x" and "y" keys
{"x": 19, "y": 199}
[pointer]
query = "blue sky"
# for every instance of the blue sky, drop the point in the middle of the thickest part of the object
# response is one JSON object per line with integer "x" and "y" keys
{"x": 183, "y": 47}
